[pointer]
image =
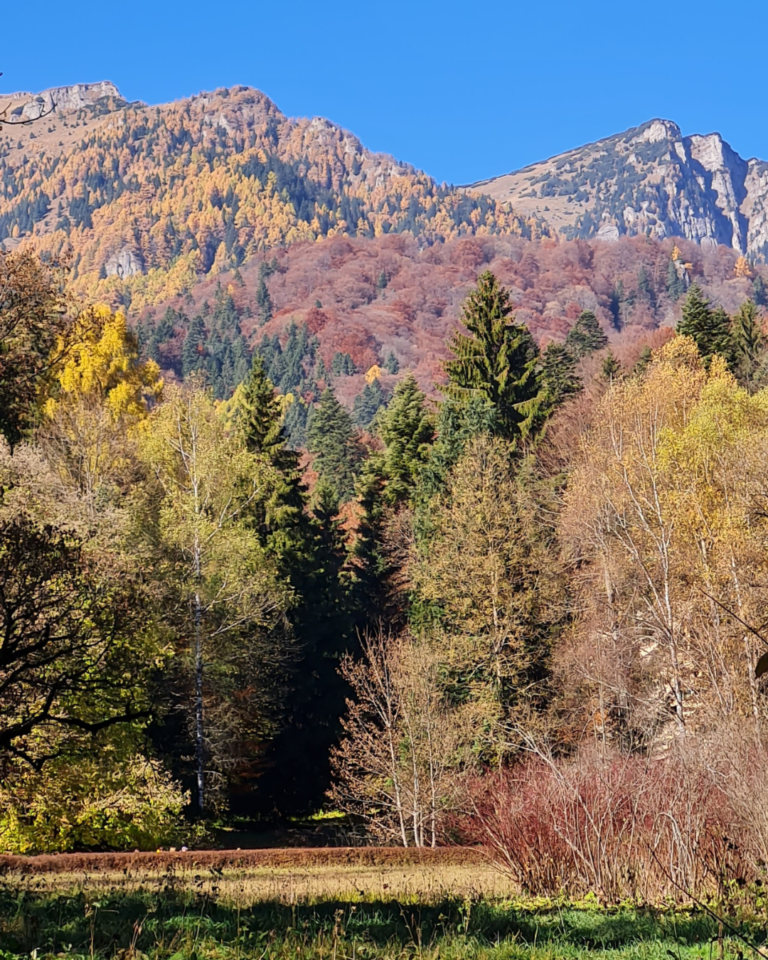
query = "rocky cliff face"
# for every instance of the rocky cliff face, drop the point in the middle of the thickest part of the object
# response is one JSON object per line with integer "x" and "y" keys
{"x": 650, "y": 180}
{"x": 61, "y": 100}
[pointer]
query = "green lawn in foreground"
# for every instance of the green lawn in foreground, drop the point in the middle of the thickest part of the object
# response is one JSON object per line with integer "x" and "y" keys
{"x": 174, "y": 925}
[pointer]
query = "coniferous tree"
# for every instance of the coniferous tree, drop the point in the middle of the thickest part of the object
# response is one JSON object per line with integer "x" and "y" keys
{"x": 611, "y": 367}
{"x": 392, "y": 364}
{"x": 558, "y": 372}
{"x": 760, "y": 291}
{"x": 498, "y": 361}
{"x": 586, "y": 335}
{"x": 749, "y": 345}
{"x": 193, "y": 352}
{"x": 331, "y": 437}
{"x": 368, "y": 403}
{"x": 710, "y": 328}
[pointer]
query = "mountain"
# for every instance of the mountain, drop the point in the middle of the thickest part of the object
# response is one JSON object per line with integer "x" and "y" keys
{"x": 651, "y": 181}
{"x": 148, "y": 200}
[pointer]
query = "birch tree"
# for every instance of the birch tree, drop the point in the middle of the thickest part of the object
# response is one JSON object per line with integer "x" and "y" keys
{"x": 231, "y": 603}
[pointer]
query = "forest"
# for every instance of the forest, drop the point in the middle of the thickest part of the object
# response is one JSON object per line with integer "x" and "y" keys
{"x": 525, "y": 612}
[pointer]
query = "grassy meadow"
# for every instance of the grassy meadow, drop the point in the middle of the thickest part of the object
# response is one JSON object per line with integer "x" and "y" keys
{"x": 340, "y": 912}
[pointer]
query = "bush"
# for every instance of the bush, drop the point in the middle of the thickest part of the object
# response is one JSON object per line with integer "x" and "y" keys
{"x": 625, "y": 827}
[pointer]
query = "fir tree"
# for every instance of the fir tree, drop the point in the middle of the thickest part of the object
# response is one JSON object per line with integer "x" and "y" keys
{"x": 586, "y": 335}
{"x": 675, "y": 283}
{"x": 498, "y": 361}
{"x": 368, "y": 403}
{"x": 760, "y": 291}
{"x": 749, "y": 345}
{"x": 260, "y": 414}
{"x": 392, "y": 364}
{"x": 611, "y": 367}
{"x": 711, "y": 329}
{"x": 263, "y": 300}
{"x": 331, "y": 437}
{"x": 193, "y": 351}
{"x": 558, "y": 372}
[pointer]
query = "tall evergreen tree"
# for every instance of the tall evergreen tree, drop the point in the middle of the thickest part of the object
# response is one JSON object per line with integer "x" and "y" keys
{"x": 368, "y": 403}
{"x": 710, "y": 328}
{"x": 331, "y": 437}
{"x": 558, "y": 372}
{"x": 387, "y": 482}
{"x": 498, "y": 361}
{"x": 586, "y": 335}
{"x": 750, "y": 347}
{"x": 193, "y": 351}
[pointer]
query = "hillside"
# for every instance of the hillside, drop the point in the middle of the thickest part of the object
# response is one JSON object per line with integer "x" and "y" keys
{"x": 650, "y": 180}
{"x": 147, "y": 200}
{"x": 370, "y": 298}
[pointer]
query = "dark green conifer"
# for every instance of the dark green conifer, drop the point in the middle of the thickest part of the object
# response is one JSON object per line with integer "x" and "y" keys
{"x": 331, "y": 437}
{"x": 586, "y": 335}
{"x": 710, "y": 328}
{"x": 193, "y": 351}
{"x": 392, "y": 364}
{"x": 750, "y": 349}
{"x": 611, "y": 367}
{"x": 368, "y": 403}
{"x": 498, "y": 361}
{"x": 558, "y": 372}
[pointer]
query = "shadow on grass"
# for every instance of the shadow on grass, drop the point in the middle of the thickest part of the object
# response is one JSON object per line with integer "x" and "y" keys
{"x": 179, "y": 924}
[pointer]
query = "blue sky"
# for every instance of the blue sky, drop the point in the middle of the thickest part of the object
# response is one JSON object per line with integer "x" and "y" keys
{"x": 462, "y": 90}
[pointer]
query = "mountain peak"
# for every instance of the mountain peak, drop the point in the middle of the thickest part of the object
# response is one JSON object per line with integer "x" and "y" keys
{"x": 650, "y": 180}
{"x": 67, "y": 99}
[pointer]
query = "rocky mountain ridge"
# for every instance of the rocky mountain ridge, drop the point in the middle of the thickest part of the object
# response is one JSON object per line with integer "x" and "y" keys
{"x": 648, "y": 180}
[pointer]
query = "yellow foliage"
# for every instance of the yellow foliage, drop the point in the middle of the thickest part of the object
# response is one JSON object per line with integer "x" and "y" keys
{"x": 104, "y": 363}
{"x": 374, "y": 373}
{"x": 676, "y": 255}
{"x": 742, "y": 269}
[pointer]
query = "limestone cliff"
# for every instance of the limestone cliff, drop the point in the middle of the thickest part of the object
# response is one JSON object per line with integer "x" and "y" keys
{"x": 650, "y": 180}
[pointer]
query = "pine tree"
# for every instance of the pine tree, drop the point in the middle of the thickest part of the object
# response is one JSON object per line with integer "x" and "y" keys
{"x": 331, "y": 437}
{"x": 711, "y": 329}
{"x": 749, "y": 345}
{"x": 586, "y": 335}
{"x": 498, "y": 361}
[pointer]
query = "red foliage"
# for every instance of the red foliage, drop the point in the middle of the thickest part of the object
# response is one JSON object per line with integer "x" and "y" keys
{"x": 414, "y": 315}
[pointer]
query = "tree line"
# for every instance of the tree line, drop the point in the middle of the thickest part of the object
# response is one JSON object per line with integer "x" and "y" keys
{"x": 191, "y": 633}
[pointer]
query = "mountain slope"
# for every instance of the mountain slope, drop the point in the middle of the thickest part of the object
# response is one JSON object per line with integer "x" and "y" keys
{"x": 150, "y": 199}
{"x": 650, "y": 180}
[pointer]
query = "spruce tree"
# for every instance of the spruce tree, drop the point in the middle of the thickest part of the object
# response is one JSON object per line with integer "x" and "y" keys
{"x": 498, "y": 361}
{"x": 586, "y": 335}
{"x": 558, "y": 372}
{"x": 710, "y": 328}
{"x": 611, "y": 367}
{"x": 749, "y": 345}
{"x": 260, "y": 414}
{"x": 392, "y": 364}
{"x": 193, "y": 351}
{"x": 368, "y": 403}
{"x": 331, "y": 437}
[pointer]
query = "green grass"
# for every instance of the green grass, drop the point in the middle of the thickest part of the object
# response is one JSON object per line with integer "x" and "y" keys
{"x": 173, "y": 924}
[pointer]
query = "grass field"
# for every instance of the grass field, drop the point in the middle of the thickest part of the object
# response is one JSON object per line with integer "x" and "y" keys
{"x": 323, "y": 904}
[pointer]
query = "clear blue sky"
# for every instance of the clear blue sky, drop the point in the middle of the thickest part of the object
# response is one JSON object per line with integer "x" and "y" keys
{"x": 462, "y": 90}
